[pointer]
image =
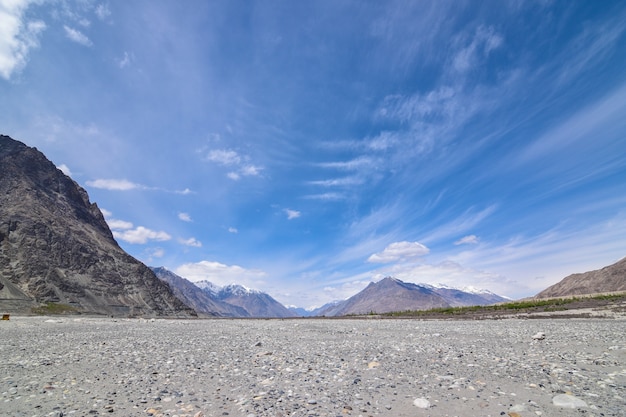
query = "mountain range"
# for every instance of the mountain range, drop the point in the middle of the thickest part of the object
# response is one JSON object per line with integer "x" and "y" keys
{"x": 57, "y": 249}
{"x": 229, "y": 301}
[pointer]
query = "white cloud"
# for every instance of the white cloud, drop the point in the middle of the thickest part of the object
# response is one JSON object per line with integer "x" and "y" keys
{"x": 114, "y": 184}
{"x": 350, "y": 165}
{"x": 485, "y": 40}
{"x": 118, "y": 224}
{"x": 140, "y": 235}
{"x": 127, "y": 232}
{"x": 469, "y": 239}
{"x": 184, "y": 217}
{"x": 325, "y": 196}
{"x": 77, "y": 36}
{"x": 232, "y": 230}
{"x": 192, "y": 241}
{"x": 224, "y": 157}
{"x": 127, "y": 60}
{"x": 106, "y": 213}
{"x": 64, "y": 168}
{"x": 186, "y": 191}
{"x": 221, "y": 274}
{"x": 399, "y": 251}
{"x": 292, "y": 214}
{"x": 250, "y": 170}
{"x": 230, "y": 158}
{"x": 17, "y": 36}
{"x": 103, "y": 11}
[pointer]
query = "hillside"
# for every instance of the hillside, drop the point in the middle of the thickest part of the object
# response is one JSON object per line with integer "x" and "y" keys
{"x": 611, "y": 278}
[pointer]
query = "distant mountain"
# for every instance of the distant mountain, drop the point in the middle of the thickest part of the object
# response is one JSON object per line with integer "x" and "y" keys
{"x": 256, "y": 303}
{"x": 229, "y": 301}
{"x": 198, "y": 297}
{"x": 299, "y": 311}
{"x": 56, "y": 247}
{"x": 467, "y": 296}
{"x": 391, "y": 294}
{"x": 611, "y": 278}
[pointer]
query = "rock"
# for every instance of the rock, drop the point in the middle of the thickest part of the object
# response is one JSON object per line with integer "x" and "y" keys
{"x": 421, "y": 403}
{"x": 539, "y": 336}
{"x": 568, "y": 401}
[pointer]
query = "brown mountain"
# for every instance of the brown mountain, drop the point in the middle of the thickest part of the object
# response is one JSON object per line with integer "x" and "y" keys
{"x": 55, "y": 246}
{"x": 611, "y": 278}
{"x": 387, "y": 295}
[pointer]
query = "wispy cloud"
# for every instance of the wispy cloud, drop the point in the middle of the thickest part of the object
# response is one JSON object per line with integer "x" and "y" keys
{"x": 292, "y": 214}
{"x": 233, "y": 230}
{"x": 126, "y": 60}
{"x": 77, "y": 36}
{"x": 115, "y": 185}
{"x": 232, "y": 159}
{"x": 18, "y": 36}
{"x": 469, "y": 239}
{"x": 192, "y": 241}
{"x": 103, "y": 11}
{"x": 184, "y": 217}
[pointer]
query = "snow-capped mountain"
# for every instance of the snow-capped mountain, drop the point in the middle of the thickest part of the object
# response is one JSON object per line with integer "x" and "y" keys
{"x": 392, "y": 294}
{"x": 255, "y": 302}
{"x": 208, "y": 286}
{"x": 204, "y": 302}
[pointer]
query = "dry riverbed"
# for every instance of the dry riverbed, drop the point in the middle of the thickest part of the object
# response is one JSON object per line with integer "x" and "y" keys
{"x": 93, "y": 367}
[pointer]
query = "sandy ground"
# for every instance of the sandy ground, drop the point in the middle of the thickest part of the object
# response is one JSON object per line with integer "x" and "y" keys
{"x": 93, "y": 366}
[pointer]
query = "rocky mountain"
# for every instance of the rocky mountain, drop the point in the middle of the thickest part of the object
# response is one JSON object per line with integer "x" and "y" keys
{"x": 199, "y": 297}
{"x": 55, "y": 246}
{"x": 391, "y": 294}
{"x": 611, "y": 278}
{"x": 229, "y": 301}
{"x": 256, "y": 303}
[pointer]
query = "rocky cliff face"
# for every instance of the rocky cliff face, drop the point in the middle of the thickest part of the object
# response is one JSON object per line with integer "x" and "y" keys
{"x": 55, "y": 246}
{"x": 611, "y": 278}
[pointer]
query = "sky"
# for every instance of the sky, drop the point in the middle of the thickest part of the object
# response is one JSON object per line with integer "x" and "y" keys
{"x": 306, "y": 149}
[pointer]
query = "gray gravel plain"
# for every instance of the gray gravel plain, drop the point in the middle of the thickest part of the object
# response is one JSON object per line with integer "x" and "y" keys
{"x": 312, "y": 367}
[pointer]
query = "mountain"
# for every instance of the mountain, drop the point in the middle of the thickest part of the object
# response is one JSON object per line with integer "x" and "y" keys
{"x": 56, "y": 247}
{"x": 256, "y": 303}
{"x": 611, "y": 278}
{"x": 198, "y": 297}
{"x": 467, "y": 296}
{"x": 391, "y": 294}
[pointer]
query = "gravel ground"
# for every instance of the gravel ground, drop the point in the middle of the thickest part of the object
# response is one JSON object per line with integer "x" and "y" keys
{"x": 316, "y": 367}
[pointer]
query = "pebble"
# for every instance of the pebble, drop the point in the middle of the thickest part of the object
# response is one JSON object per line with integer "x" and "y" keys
{"x": 301, "y": 368}
{"x": 421, "y": 403}
{"x": 568, "y": 401}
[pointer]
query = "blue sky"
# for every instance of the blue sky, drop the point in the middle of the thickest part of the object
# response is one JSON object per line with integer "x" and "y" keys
{"x": 308, "y": 148}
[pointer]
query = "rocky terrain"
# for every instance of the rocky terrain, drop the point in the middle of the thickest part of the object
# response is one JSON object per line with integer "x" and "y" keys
{"x": 56, "y": 247}
{"x": 611, "y": 278}
{"x": 312, "y": 367}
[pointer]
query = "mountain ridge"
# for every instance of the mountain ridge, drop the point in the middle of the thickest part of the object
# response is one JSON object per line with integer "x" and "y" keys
{"x": 611, "y": 278}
